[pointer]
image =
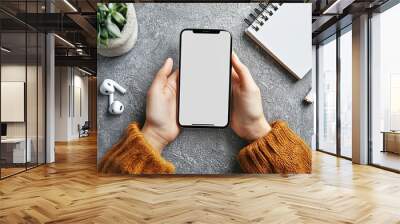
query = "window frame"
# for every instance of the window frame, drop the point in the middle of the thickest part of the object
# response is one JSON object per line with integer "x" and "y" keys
{"x": 334, "y": 37}
{"x": 29, "y": 29}
{"x": 381, "y": 9}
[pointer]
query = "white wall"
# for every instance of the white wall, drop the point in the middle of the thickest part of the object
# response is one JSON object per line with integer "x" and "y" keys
{"x": 61, "y": 104}
{"x": 70, "y": 83}
{"x": 79, "y": 117}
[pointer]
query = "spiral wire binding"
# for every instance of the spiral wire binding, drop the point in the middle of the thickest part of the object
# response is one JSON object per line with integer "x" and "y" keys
{"x": 261, "y": 14}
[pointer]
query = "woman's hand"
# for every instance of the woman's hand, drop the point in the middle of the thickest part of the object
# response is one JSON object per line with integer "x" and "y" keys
{"x": 160, "y": 127}
{"x": 248, "y": 120}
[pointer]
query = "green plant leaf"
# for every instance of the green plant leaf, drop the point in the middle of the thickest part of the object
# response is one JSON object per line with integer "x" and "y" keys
{"x": 111, "y": 35}
{"x": 123, "y": 10}
{"x": 118, "y": 17}
{"x": 103, "y": 42}
{"x": 102, "y": 36}
{"x": 104, "y": 33}
{"x": 111, "y": 18}
{"x": 112, "y": 5}
{"x": 98, "y": 38}
{"x": 101, "y": 14}
{"x": 102, "y": 7}
{"x": 112, "y": 28}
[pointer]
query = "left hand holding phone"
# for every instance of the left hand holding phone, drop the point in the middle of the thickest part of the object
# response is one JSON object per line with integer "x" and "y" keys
{"x": 160, "y": 127}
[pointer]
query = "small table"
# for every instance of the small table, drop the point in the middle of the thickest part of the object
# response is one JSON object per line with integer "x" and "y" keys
{"x": 391, "y": 141}
{"x": 16, "y": 147}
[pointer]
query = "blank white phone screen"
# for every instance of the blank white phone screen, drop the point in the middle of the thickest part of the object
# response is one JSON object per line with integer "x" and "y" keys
{"x": 204, "y": 78}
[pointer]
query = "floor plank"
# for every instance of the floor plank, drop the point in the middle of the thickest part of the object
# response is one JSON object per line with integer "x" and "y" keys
{"x": 71, "y": 191}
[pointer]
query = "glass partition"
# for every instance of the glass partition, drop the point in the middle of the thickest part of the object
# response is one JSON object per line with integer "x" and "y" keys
{"x": 346, "y": 75}
{"x": 31, "y": 99}
{"x": 335, "y": 94}
{"x": 327, "y": 96}
{"x": 385, "y": 89}
{"x": 23, "y": 89}
{"x": 41, "y": 97}
{"x": 13, "y": 94}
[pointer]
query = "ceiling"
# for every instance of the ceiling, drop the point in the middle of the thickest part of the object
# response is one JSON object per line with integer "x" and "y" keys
{"x": 329, "y": 16}
{"x": 73, "y": 21}
{"x": 40, "y": 5}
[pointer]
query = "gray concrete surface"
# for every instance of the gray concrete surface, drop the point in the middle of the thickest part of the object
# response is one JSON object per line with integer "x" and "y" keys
{"x": 197, "y": 151}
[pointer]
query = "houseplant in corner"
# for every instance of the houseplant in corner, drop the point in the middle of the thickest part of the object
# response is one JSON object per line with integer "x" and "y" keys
{"x": 116, "y": 28}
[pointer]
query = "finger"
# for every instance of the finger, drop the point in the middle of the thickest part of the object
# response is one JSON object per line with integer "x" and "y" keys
{"x": 173, "y": 80}
{"x": 235, "y": 76}
{"x": 235, "y": 81}
{"x": 242, "y": 71}
{"x": 163, "y": 73}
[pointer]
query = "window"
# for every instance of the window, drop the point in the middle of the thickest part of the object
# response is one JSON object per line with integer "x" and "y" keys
{"x": 346, "y": 75}
{"x": 327, "y": 96}
{"x": 385, "y": 89}
{"x": 394, "y": 102}
{"x": 335, "y": 61}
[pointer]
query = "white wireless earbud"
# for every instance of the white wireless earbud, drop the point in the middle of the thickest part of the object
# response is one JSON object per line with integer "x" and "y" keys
{"x": 114, "y": 106}
{"x": 108, "y": 88}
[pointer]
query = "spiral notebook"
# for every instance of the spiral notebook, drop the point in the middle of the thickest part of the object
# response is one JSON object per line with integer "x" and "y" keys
{"x": 284, "y": 31}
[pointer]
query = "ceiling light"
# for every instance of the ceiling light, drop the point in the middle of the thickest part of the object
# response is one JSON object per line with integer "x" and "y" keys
{"x": 5, "y": 50}
{"x": 80, "y": 51}
{"x": 84, "y": 71}
{"x": 70, "y": 5}
{"x": 65, "y": 41}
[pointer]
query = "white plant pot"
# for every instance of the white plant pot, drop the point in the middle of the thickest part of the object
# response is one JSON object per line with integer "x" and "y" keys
{"x": 123, "y": 44}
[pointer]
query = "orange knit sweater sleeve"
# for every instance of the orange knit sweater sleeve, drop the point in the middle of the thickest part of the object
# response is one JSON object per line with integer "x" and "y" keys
{"x": 134, "y": 155}
{"x": 280, "y": 151}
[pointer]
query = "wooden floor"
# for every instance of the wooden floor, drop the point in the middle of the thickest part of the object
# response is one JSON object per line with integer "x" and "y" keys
{"x": 70, "y": 191}
{"x": 8, "y": 171}
{"x": 5, "y": 172}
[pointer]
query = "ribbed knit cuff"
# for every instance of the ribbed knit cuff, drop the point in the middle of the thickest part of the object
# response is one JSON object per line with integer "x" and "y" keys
{"x": 280, "y": 151}
{"x": 134, "y": 155}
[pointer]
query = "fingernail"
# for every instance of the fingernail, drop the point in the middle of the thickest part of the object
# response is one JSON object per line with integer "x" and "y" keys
{"x": 168, "y": 60}
{"x": 235, "y": 55}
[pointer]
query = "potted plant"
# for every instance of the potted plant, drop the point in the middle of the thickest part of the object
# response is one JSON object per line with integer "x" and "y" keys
{"x": 116, "y": 28}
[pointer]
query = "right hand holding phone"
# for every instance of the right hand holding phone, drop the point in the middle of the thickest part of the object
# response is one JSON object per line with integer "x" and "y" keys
{"x": 248, "y": 120}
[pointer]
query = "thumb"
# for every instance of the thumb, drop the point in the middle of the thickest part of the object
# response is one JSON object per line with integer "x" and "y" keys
{"x": 242, "y": 71}
{"x": 162, "y": 75}
{"x": 173, "y": 79}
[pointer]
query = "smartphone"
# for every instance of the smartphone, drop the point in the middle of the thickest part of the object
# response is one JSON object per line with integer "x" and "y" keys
{"x": 204, "y": 78}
